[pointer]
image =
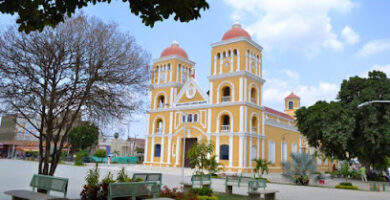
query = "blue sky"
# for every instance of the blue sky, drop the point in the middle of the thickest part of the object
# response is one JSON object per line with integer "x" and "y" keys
{"x": 309, "y": 46}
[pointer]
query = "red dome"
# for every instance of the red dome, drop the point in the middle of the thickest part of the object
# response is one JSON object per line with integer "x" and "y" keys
{"x": 174, "y": 49}
{"x": 235, "y": 31}
{"x": 292, "y": 96}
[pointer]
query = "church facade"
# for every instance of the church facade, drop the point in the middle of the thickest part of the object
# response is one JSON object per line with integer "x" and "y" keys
{"x": 231, "y": 113}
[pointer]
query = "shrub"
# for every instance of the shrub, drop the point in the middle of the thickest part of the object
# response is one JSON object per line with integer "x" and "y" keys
{"x": 261, "y": 178}
{"x": 122, "y": 176}
{"x": 174, "y": 194}
{"x": 207, "y": 197}
{"x": 101, "y": 153}
{"x": 79, "y": 157}
{"x": 203, "y": 191}
{"x": 346, "y": 183}
{"x": 300, "y": 168}
{"x": 91, "y": 189}
{"x": 347, "y": 187}
{"x": 375, "y": 177}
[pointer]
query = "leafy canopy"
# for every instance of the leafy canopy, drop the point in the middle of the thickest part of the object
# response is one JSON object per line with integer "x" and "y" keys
{"x": 342, "y": 130}
{"x": 83, "y": 136}
{"x": 35, "y": 15}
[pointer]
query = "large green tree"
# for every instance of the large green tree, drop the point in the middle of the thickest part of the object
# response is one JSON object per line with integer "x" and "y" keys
{"x": 342, "y": 130}
{"x": 36, "y": 14}
{"x": 83, "y": 136}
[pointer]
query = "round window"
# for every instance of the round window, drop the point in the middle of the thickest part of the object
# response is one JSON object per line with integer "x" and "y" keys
{"x": 190, "y": 93}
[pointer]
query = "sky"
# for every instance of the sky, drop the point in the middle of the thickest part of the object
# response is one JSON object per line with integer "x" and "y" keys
{"x": 310, "y": 47}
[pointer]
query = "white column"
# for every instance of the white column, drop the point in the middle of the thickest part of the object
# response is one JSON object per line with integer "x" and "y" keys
{"x": 250, "y": 151}
{"x": 170, "y": 123}
{"x": 152, "y": 150}
{"x": 211, "y": 93}
{"x": 233, "y": 94}
{"x": 171, "y": 98}
{"x": 215, "y": 64}
{"x": 245, "y": 150}
{"x": 146, "y": 150}
{"x": 162, "y": 148}
{"x": 231, "y": 150}
{"x": 240, "y": 154}
{"x": 177, "y": 150}
{"x": 231, "y": 61}
{"x": 170, "y": 72}
{"x": 246, "y": 119}
{"x": 245, "y": 89}
{"x": 209, "y": 120}
{"x": 258, "y": 147}
{"x": 246, "y": 61}
{"x": 241, "y": 90}
{"x": 169, "y": 152}
{"x": 220, "y": 66}
{"x": 217, "y": 147}
{"x": 263, "y": 134}
{"x": 177, "y": 72}
{"x": 241, "y": 119}
{"x": 238, "y": 60}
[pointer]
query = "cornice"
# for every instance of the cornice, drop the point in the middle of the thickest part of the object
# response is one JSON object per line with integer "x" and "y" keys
{"x": 237, "y": 39}
{"x": 166, "y": 58}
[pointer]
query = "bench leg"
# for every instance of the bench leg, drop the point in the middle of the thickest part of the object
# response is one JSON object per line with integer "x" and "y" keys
{"x": 253, "y": 196}
{"x": 229, "y": 189}
{"x": 269, "y": 196}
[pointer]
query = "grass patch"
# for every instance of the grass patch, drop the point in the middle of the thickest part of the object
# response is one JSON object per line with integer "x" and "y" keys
{"x": 224, "y": 196}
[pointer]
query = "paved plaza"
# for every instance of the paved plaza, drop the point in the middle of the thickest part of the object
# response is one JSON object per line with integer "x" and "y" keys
{"x": 16, "y": 174}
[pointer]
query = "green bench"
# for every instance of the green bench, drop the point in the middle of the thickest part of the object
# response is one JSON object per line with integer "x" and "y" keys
{"x": 133, "y": 190}
{"x": 149, "y": 177}
{"x": 43, "y": 182}
{"x": 201, "y": 180}
{"x": 253, "y": 186}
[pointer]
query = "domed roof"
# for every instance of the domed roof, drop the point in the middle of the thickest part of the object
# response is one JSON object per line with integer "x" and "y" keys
{"x": 174, "y": 49}
{"x": 292, "y": 96}
{"x": 235, "y": 31}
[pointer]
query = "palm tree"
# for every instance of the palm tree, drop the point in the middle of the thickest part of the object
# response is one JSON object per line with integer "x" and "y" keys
{"x": 212, "y": 165}
{"x": 300, "y": 169}
{"x": 261, "y": 166}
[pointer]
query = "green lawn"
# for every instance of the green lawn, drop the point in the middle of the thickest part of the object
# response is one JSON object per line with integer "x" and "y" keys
{"x": 224, "y": 196}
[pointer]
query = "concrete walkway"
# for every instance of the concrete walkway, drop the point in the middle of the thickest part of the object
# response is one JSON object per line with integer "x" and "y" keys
{"x": 15, "y": 174}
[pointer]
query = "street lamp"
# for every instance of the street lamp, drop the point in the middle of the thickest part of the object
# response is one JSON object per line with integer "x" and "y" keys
{"x": 371, "y": 102}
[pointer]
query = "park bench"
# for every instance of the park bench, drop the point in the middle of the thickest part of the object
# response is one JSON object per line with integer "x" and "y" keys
{"x": 133, "y": 190}
{"x": 252, "y": 184}
{"x": 43, "y": 182}
{"x": 149, "y": 177}
{"x": 201, "y": 180}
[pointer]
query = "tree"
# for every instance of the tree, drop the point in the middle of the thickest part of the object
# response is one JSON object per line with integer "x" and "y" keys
{"x": 100, "y": 153}
{"x": 343, "y": 131}
{"x": 83, "y": 136}
{"x": 35, "y": 15}
{"x": 116, "y": 135}
{"x": 198, "y": 155}
{"x": 261, "y": 166}
{"x": 301, "y": 167}
{"x": 83, "y": 67}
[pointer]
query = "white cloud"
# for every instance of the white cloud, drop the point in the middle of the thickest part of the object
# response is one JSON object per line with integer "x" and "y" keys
{"x": 277, "y": 89}
{"x": 382, "y": 68}
{"x": 375, "y": 46}
{"x": 298, "y": 24}
{"x": 349, "y": 35}
{"x": 292, "y": 74}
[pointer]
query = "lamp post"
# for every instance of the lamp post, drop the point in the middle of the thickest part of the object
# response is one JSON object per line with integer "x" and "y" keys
{"x": 371, "y": 102}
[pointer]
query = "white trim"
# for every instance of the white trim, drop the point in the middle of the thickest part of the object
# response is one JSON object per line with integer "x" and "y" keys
{"x": 167, "y": 58}
{"x": 237, "y": 39}
{"x": 206, "y": 105}
{"x": 217, "y": 149}
{"x": 241, "y": 90}
{"x": 240, "y": 148}
{"x": 231, "y": 120}
{"x": 281, "y": 125}
{"x": 231, "y": 151}
{"x": 235, "y": 74}
{"x": 211, "y": 93}
{"x": 215, "y": 64}
{"x": 152, "y": 151}
{"x": 241, "y": 119}
{"x": 169, "y": 150}
{"x": 185, "y": 87}
{"x": 245, "y": 89}
{"x": 155, "y": 104}
{"x": 162, "y": 149}
{"x": 170, "y": 122}
{"x": 250, "y": 151}
{"x": 146, "y": 150}
{"x": 177, "y": 150}
{"x": 238, "y": 60}
{"x": 263, "y": 134}
{"x": 219, "y": 91}
{"x": 245, "y": 151}
{"x": 165, "y": 85}
{"x": 209, "y": 120}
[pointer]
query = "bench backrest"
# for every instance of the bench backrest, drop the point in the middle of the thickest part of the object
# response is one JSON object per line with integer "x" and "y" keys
{"x": 49, "y": 183}
{"x": 201, "y": 177}
{"x": 148, "y": 177}
{"x": 254, "y": 184}
{"x": 238, "y": 179}
{"x": 132, "y": 189}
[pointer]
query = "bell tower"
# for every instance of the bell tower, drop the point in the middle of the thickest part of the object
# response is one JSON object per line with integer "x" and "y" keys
{"x": 291, "y": 104}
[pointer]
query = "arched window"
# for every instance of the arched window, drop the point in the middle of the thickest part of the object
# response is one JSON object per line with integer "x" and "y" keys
{"x": 254, "y": 124}
{"x": 226, "y": 94}
{"x": 218, "y": 55}
{"x": 195, "y": 117}
{"x": 157, "y": 150}
{"x": 224, "y": 151}
{"x": 225, "y": 126}
{"x": 159, "y": 126}
{"x": 290, "y": 105}
{"x": 235, "y": 52}
{"x": 253, "y": 95}
{"x": 254, "y": 153}
{"x": 189, "y": 118}
{"x": 161, "y": 101}
{"x": 184, "y": 119}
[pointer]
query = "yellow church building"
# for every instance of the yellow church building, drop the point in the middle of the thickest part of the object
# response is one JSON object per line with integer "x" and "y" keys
{"x": 231, "y": 113}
